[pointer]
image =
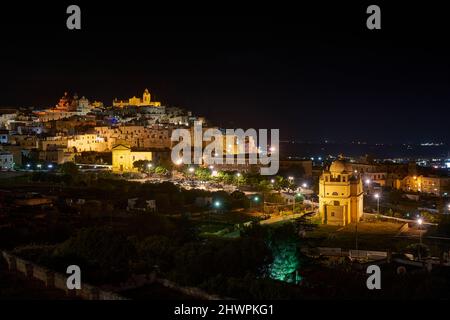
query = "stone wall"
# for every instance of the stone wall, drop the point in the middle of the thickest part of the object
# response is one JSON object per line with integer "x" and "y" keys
{"x": 57, "y": 280}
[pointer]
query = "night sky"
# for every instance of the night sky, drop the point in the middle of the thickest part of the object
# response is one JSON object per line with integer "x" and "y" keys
{"x": 314, "y": 73}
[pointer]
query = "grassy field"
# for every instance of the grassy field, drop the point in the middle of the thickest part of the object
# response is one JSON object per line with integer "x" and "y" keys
{"x": 371, "y": 236}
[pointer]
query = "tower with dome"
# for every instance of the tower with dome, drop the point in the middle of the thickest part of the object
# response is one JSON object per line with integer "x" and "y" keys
{"x": 340, "y": 195}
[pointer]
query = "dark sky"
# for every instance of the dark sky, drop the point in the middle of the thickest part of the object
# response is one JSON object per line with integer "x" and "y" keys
{"x": 314, "y": 73}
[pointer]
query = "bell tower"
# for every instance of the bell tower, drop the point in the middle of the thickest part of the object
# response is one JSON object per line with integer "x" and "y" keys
{"x": 146, "y": 98}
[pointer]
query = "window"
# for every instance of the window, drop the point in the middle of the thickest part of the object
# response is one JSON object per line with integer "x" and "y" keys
{"x": 332, "y": 214}
{"x": 335, "y": 203}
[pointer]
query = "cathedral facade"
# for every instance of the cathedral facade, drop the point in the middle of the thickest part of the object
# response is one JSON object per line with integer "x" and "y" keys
{"x": 137, "y": 102}
{"x": 340, "y": 195}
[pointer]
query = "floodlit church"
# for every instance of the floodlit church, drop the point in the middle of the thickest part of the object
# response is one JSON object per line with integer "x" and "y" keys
{"x": 123, "y": 158}
{"x": 340, "y": 195}
{"x": 146, "y": 101}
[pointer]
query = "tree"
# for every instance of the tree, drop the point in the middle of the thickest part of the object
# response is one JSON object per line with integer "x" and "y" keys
{"x": 142, "y": 165}
{"x": 69, "y": 168}
{"x": 203, "y": 174}
{"x": 161, "y": 170}
{"x": 101, "y": 251}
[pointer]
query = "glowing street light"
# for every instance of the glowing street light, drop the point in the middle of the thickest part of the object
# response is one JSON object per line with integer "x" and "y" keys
{"x": 211, "y": 167}
{"x": 377, "y": 196}
{"x": 191, "y": 169}
{"x": 367, "y": 181}
{"x": 217, "y": 204}
{"x": 39, "y": 166}
{"x": 149, "y": 165}
{"x": 420, "y": 222}
{"x": 304, "y": 185}
{"x": 50, "y": 166}
{"x": 272, "y": 181}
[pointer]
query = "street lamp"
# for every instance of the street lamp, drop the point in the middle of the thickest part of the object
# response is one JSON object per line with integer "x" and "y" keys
{"x": 191, "y": 169}
{"x": 377, "y": 196}
{"x": 420, "y": 222}
{"x": 149, "y": 165}
{"x": 272, "y": 181}
{"x": 367, "y": 181}
{"x": 304, "y": 185}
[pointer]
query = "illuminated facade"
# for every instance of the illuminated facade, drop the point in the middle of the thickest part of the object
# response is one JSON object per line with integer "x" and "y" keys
{"x": 340, "y": 195}
{"x": 137, "y": 102}
{"x": 136, "y": 136}
{"x": 123, "y": 158}
{"x": 425, "y": 184}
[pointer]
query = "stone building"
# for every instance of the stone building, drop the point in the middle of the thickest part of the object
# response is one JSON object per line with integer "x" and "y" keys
{"x": 123, "y": 158}
{"x": 340, "y": 195}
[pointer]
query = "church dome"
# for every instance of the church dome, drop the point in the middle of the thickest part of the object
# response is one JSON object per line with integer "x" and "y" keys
{"x": 337, "y": 166}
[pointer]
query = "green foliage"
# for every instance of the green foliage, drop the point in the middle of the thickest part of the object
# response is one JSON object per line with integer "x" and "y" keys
{"x": 203, "y": 174}
{"x": 195, "y": 262}
{"x": 143, "y": 165}
{"x": 156, "y": 251}
{"x": 110, "y": 252}
{"x": 69, "y": 168}
{"x": 161, "y": 170}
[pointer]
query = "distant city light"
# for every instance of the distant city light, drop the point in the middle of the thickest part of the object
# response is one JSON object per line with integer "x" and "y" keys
{"x": 28, "y": 165}
{"x": 256, "y": 199}
{"x": 272, "y": 180}
{"x": 419, "y": 221}
{"x": 376, "y": 195}
{"x": 214, "y": 173}
{"x": 320, "y": 158}
{"x": 291, "y": 178}
{"x": 39, "y": 166}
{"x": 149, "y": 165}
{"x": 211, "y": 167}
{"x": 272, "y": 149}
{"x": 304, "y": 185}
{"x": 367, "y": 181}
{"x": 178, "y": 162}
{"x": 217, "y": 204}
{"x": 50, "y": 166}
{"x": 238, "y": 174}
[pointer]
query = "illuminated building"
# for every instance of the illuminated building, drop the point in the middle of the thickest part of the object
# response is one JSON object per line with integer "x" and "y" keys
{"x": 136, "y": 136}
{"x": 434, "y": 185}
{"x": 123, "y": 158}
{"x": 340, "y": 195}
{"x": 137, "y": 102}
